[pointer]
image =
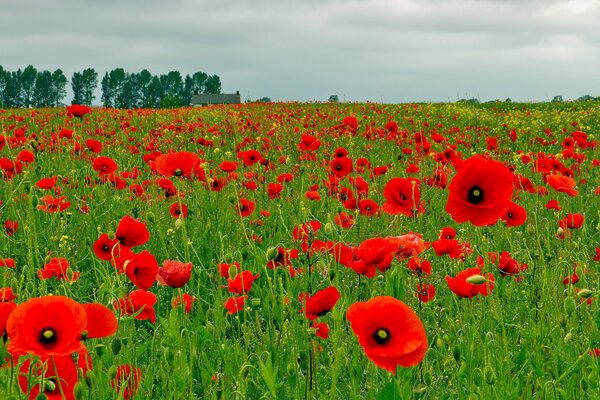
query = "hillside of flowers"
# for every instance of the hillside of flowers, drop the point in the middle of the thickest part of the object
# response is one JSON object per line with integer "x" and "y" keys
{"x": 284, "y": 251}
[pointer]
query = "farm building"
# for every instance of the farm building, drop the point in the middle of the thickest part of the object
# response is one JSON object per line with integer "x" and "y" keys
{"x": 210, "y": 99}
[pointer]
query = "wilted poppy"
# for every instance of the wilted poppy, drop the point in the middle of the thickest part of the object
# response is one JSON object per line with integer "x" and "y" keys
{"x": 390, "y": 333}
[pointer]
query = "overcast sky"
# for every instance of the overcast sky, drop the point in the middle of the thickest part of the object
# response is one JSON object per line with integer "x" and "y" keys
{"x": 378, "y": 50}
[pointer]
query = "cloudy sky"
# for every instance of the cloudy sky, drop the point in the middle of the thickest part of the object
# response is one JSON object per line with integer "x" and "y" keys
{"x": 298, "y": 50}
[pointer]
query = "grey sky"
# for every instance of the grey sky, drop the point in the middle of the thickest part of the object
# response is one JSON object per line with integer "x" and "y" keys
{"x": 380, "y": 50}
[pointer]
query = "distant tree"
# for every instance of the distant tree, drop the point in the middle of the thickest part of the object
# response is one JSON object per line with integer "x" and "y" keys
{"x": 58, "y": 87}
{"x": 508, "y": 100}
{"x": 557, "y": 99}
{"x": 13, "y": 92}
{"x": 199, "y": 82}
{"x": 28, "y": 85}
{"x": 3, "y": 80}
{"x": 264, "y": 100}
{"x": 42, "y": 95}
{"x": 587, "y": 97}
{"x": 144, "y": 79}
{"x": 212, "y": 85}
{"x": 171, "y": 101}
{"x": 334, "y": 98}
{"x": 188, "y": 84}
{"x": 154, "y": 93}
{"x": 128, "y": 95}
{"x": 112, "y": 86}
{"x": 90, "y": 82}
{"x": 172, "y": 84}
{"x": 77, "y": 88}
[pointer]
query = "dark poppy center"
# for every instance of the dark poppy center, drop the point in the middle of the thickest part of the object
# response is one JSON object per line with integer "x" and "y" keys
{"x": 105, "y": 248}
{"x": 475, "y": 195}
{"x": 322, "y": 312}
{"x": 382, "y": 335}
{"x": 510, "y": 215}
{"x": 177, "y": 212}
{"x": 178, "y": 172}
{"x": 338, "y": 167}
{"x": 48, "y": 335}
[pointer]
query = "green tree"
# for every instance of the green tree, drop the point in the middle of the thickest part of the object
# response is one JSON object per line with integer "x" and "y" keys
{"x": 28, "y": 85}
{"x": 90, "y": 82}
{"x": 58, "y": 87}
{"x": 144, "y": 79}
{"x": 172, "y": 84}
{"x": 77, "y": 88}
{"x": 212, "y": 85}
{"x": 188, "y": 84}
{"x": 154, "y": 93}
{"x": 13, "y": 90}
{"x": 3, "y": 81}
{"x": 42, "y": 96}
{"x": 199, "y": 82}
{"x": 112, "y": 85}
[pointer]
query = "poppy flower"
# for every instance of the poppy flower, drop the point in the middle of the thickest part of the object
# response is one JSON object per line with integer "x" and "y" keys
{"x": 227, "y": 270}
{"x": 104, "y": 165}
{"x": 410, "y": 245}
{"x": 321, "y": 329}
{"x": 131, "y": 232}
{"x": 340, "y": 167}
{"x": 402, "y": 196}
{"x": 245, "y": 207}
{"x": 104, "y": 247}
{"x": 480, "y": 192}
{"x": 308, "y": 143}
{"x": 11, "y": 227}
{"x": 313, "y": 195}
{"x": 139, "y": 302}
{"x": 572, "y": 221}
{"x": 78, "y": 110}
{"x": 368, "y": 207}
{"x": 7, "y": 262}
{"x": 58, "y": 268}
{"x": 390, "y": 333}
{"x": 174, "y": 273}
{"x": 127, "y": 380}
{"x": 320, "y": 303}
{"x": 93, "y": 145}
{"x": 51, "y": 204}
{"x": 509, "y": 266}
{"x": 562, "y": 184}
{"x": 60, "y": 376}
{"x": 186, "y": 300}
{"x": 55, "y": 325}
{"x": 250, "y": 157}
{"x": 419, "y": 266}
{"x": 141, "y": 269}
{"x": 228, "y": 166}
{"x": 241, "y": 283}
{"x": 374, "y": 254}
{"x": 180, "y": 164}
{"x": 7, "y": 295}
{"x": 178, "y": 210}
{"x": 344, "y": 220}
{"x": 515, "y": 215}
{"x": 274, "y": 190}
{"x": 47, "y": 183}
{"x": 6, "y": 308}
{"x": 553, "y": 205}
{"x": 425, "y": 292}
{"x": 597, "y": 256}
{"x": 471, "y": 282}
{"x": 235, "y": 304}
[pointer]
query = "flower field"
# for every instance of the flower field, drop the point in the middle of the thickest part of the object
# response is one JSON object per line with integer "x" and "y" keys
{"x": 289, "y": 251}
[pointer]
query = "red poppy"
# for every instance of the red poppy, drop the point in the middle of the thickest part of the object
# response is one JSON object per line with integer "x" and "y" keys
{"x": 368, "y": 207}
{"x": 245, "y": 207}
{"x": 228, "y": 166}
{"x": 553, "y": 205}
{"x": 141, "y": 269}
{"x": 127, "y": 380}
{"x": 509, "y": 266}
{"x": 562, "y": 184}
{"x": 321, "y": 329}
{"x": 78, "y": 110}
{"x": 340, "y": 167}
{"x": 47, "y": 183}
{"x": 227, "y": 270}
{"x": 11, "y": 227}
{"x": 320, "y": 303}
{"x": 390, "y": 333}
{"x": 26, "y": 156}
{"x": 308, "y": 143}
{"x": 597, "y": 256}
{"x": 131, "y": 232}
{"x": 515, "y": 215}
{"x": 174, "y": 273}
{"x": 105, "y": 247}
{"x": 60, "y": 376}
{"x": 58, "y": 268}
{"x": 139, "y": 302}
{"x": 186, "y": 300}
{"x": 480, "y": 192}
{"x": 235, "y": 304}
{"x": 93, "y": 145}
{"x": 104, "y": 165}
{"x": 180, "y": 164}
{"x": 55, "y": 325}
{"x": 178, "y": 210}
{"x": 374, "y": 254}
{"x": 313, "y": 195}
{"x": 451, "y": 247}
{"x": 274, "y": 190}
{"x": 471, "y": 282}
{"x": 425, "y": 292}
{"x": 53, "y": 204}
{"x": 344, "y": 220}
{"x": 402, "y": 196}
{"x": 241, "y": 283}
{"x": 7, "y": 262}
{"x": 419, "y": 266}
{"x": 6, "y": 308}
{"x": 572, "y": 221}
{"x": 6, "y": 295}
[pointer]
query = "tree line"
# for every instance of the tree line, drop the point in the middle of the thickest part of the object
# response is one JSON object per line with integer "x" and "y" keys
{"x": 119, "y": 89}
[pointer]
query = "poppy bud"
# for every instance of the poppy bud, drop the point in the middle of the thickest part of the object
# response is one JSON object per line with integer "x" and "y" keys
{"x": 476, "y": 279}
{"x": 328, "y": 228}
{"x": 584, "y": 293}
{"x": 245, "y": 253}
{"x": 568, "y": 337}
{"x": 115, "y": 347}
{"x": 178, "y": 223}
{"x": 228, "y": 258}
{"x": 489, "y": 375}
{"x": 271, "y": 253}
{"x": 79, "y": 391}
{"x": 255, "y": 302}
{"x": 456, "y": 354}
{"x": 560, "y": 231}
{"x": 112, "y": 371}
{"x": 150, "y": 217}
{"x": 49, "y": 385}
{"x": 569, "y": 305}
{"x": 100, "y": 349}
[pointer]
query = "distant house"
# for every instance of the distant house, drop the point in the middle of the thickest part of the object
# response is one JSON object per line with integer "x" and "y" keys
{"x": 210, "y": 99}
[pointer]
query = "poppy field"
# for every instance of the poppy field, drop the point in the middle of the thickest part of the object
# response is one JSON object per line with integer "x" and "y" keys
{"x": 283, "y": 251}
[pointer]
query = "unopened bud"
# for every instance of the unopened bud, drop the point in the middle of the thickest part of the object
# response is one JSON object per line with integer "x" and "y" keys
{"x": 489, "y": 375}
{"x": 585, "y": 293}
{"x": 568, "y": 337}
{"x": 178, "y": 223}
{"x": 228, "y": 258}
{"x": 476, "y": 279}
{"x": 272, "y": 253}
{"x": 569, "y": 305}
{"x": 79, "y": 391}
{"x": 255, "y": 302}
{"x": 49, "y": 385}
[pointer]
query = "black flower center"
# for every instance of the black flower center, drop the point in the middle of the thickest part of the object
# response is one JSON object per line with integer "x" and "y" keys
{"x": 48, "y": 336}
{"x": 382, "y": 335}
{"x": 510, "y": 215}
{"x": 475, "y": 195}
{"x": 322, "y": 312}
{"x": 105, "y": 248}
{"x": 178, "y": 172}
